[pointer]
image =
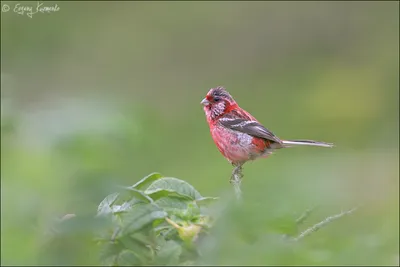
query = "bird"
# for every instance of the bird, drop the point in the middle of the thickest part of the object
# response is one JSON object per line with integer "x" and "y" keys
{"x": 238, "y": 135}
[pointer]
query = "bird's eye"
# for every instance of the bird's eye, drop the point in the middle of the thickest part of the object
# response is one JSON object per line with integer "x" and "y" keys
{"x": 216, "y": 99}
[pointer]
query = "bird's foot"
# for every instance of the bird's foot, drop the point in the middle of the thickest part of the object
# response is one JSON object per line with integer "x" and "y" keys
{"x": 236, "y": 180}
{"x": 237, "y": 173}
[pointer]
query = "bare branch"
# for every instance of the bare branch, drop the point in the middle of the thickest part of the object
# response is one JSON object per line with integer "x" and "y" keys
{"x": 305, "y": 215}
{"x": 323, "y": 223}
{"x": 236, "y": 186}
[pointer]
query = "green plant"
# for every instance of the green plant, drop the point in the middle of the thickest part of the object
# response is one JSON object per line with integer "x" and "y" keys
{"x": 155, "y": 221}
{"x": 163, "y": 221}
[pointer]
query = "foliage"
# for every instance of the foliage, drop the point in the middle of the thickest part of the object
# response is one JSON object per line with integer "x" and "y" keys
{"x": 155, "y": 221}
{"x": 159, "y": 221}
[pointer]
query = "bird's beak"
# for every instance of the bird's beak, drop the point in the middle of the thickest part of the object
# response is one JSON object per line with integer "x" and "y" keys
{"x": 205, "y": 102}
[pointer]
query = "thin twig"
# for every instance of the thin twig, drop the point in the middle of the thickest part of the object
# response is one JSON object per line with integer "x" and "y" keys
{"x": 305, "y": 215}
{"x": 236, "y": 186}
{"x": 323, "y": 223}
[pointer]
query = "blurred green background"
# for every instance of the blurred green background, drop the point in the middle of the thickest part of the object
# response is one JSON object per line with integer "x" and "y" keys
{"x": 100, "y": 94}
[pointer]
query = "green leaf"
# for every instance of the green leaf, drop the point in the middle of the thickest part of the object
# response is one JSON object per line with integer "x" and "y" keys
{"x": 128, "y": 258}
{"x": 172, "y": 203}
{"x": 125, "y": 207}
{"x": 139, "y": 217}
{"x": 193, "y": 211}
{"x": 109, "y": 252}
{"x": 173, "y": 184}
{"x": 139, "y": 195}
{"x": 146, "y": 181}
{"x": 205, "y": 201}
{"x": 122, "y": 202}
{"x": 182, "y": 208}
{"x": 161, "y": 193}
{"x": 128, "y": 198}
{"x": 105, "y": 205}
{"x": 162, "y": 229}
{"x": 142, "y": 252}
{"x": 169, "y": 254}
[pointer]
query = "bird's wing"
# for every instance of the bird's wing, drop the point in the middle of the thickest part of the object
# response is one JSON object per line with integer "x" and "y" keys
{"x": 250, "y": 127}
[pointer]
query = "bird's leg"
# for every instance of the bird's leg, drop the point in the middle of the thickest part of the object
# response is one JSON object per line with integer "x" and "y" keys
{"x": 236, "y": 179}
{"x": 237, "y": 173}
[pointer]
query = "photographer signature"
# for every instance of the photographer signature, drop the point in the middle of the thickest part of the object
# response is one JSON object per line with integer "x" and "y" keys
{"x": 20, "y": 9}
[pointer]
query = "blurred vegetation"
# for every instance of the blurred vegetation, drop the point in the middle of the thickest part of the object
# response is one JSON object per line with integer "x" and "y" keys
{"x": 99, "y": 94}
{"x": 156, "y": 221}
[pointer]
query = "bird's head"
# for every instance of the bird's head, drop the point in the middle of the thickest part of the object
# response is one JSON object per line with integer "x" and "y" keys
{"x": 217, "y": 102}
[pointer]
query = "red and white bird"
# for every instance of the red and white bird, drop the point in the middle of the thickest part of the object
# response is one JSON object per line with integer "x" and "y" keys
{"x": 237, "y": 134}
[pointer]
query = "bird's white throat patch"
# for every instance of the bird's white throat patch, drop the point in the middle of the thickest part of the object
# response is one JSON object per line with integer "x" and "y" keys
{"x": 217, "y": 109}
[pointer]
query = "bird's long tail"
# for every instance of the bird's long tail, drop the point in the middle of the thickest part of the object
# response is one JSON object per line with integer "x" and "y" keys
{"x": 289, "y": 143}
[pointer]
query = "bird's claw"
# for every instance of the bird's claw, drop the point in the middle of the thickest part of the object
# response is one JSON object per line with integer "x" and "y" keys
{"x": 236, "y": 174}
